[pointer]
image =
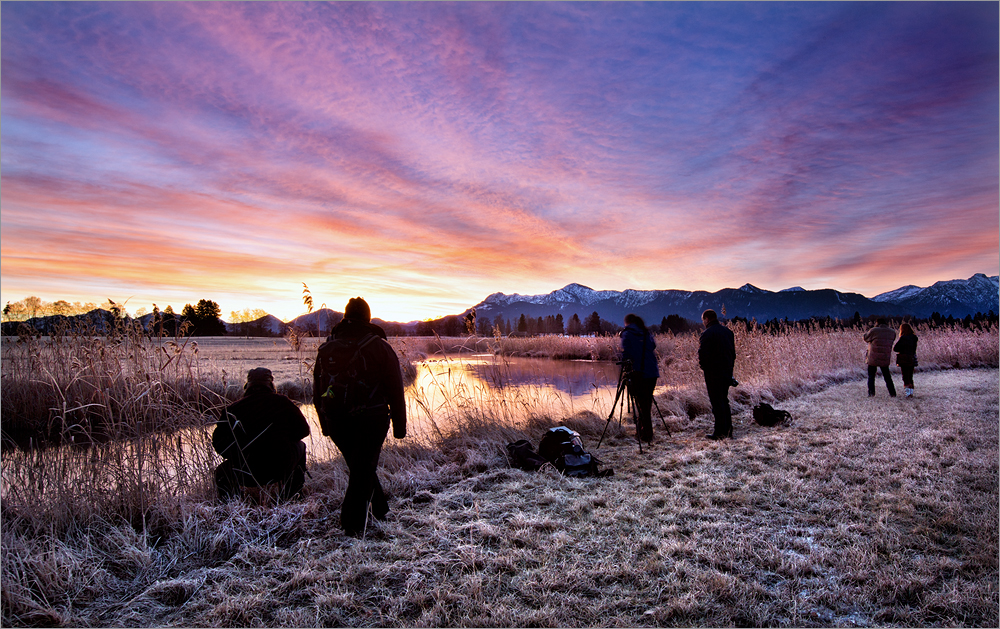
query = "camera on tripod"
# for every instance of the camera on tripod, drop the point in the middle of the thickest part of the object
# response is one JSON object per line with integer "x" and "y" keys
{"x": 625, "y": 400}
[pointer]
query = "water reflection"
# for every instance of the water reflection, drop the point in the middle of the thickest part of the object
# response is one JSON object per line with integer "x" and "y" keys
{"x": 573, "y": 377}
{"x": 452, "y": 387}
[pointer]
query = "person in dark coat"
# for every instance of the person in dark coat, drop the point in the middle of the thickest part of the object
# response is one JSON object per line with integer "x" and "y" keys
{"x": 717, "y": 356}
{"x": 906, "y": 356}
{"x": 359, "y": 435}
{"x": 260, "y": 439}
{"x": 880, "y": 339}
{"x": 639, "y": 350}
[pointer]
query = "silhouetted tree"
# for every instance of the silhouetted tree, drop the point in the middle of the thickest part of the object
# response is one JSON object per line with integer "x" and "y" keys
{"x": 484, "y": 327}
{"x": 675, "y": 323}
{"x": 204, "y": 318}
{"x": 609, "y": 328}
{"x": 522, "y": 324}
{"x": 593, "y": 324}
{"x": 574, "y": 327}
{"x": 451, "y": 325}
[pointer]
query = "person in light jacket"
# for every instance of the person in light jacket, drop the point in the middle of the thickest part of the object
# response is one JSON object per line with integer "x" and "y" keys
{"x": 906, "y": 356}
{"x": 880, "y": 339}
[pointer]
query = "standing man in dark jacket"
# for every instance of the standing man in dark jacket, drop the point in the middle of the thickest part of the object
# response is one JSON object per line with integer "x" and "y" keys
{"x": 880, "y": 339}
{"x": 355, "y": 408}
{"x": 717, "y": 355}
{"x": 639, "y": 350}
{"x": 260, "y": 438}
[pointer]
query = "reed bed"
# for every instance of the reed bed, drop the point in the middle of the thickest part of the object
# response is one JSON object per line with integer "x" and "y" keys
{"x": 862, "y": 513}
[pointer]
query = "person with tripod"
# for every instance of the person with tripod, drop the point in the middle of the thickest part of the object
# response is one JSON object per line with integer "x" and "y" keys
{"x": 639, "y": 362}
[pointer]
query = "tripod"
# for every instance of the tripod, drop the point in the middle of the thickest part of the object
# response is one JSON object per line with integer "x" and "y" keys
{"x": 624, "y": 396}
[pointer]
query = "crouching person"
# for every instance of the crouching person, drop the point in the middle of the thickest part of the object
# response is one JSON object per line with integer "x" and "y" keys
{"x": 260, "y": 438}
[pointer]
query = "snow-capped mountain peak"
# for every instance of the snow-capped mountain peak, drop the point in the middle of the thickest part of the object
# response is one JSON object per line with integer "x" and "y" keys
{"x": 900, "y": 293}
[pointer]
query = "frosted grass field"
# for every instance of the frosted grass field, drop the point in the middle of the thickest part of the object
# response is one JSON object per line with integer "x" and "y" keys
{"x": 863, "y": 512}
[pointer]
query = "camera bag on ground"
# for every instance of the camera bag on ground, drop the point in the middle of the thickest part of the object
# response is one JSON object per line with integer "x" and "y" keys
{"x": 766, "y": 415}
{"x": 523, "y": 456}
{"x": 342, "y": 381}
{"x": 564, "y": 449}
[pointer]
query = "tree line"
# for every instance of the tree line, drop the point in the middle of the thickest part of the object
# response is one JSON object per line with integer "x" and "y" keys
{"x": 857, "y": 322}
{"x": 593, "y": 324}
{"x": 200, "y": 319}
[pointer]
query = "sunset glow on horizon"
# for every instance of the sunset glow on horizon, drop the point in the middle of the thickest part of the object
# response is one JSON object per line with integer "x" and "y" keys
{"x": 426, "y": 155}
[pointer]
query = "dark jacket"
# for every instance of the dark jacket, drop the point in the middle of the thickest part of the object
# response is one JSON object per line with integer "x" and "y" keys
{"x": 260, "y": 434}
{"x": 906, "y": 348}
{"x": 639, "y": 348}
{"x": 717, "y": 351}
{"x": 384, "y": 361}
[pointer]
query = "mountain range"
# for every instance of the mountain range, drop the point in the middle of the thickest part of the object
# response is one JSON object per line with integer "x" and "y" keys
{"x": 956, "y": 298}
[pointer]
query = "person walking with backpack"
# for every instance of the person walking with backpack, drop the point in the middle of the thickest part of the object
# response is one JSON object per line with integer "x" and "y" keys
{"x": 639, "y": 353}
{"x": 260, "y": 439}
{"x": 880, "y": 339}
{"x": 906, "y": 356}
{"x": 357, "y": 391}
{"x": 717, "y": 357}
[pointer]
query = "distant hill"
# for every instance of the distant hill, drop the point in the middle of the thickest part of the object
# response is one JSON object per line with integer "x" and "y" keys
{"x": 98, "y": 320}
{"x": 268, "y": 325}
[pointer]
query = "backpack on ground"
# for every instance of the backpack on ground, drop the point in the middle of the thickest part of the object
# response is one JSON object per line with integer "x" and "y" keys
{"x": 523, "y": 456}
{"x": 766, "y": 415}
{"x": 343, "y": 381}
{"x": 564, "y": 449}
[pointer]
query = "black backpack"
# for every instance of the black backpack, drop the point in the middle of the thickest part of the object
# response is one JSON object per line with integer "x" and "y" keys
{"x": 343, "y": 383}
{"x": 523, "y": 456}
{"x": 564, "y": 449}
{"x": 766, "y": 415}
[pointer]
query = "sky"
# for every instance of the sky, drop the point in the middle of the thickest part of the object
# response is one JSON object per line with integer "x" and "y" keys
{"x": 426, "y": 155}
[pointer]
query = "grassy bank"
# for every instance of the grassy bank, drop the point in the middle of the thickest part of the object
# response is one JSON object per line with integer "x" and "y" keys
{"x": 863, "y": 512}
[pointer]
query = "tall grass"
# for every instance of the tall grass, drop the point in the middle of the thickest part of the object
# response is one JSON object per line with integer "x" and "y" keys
{"x": 78, "y": 387}
{"x": 103, "y": 426}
